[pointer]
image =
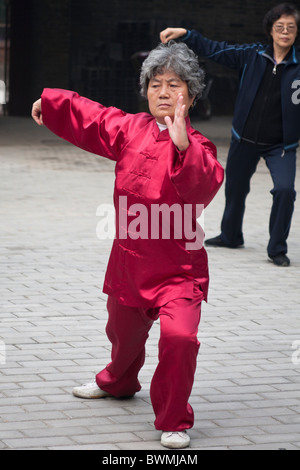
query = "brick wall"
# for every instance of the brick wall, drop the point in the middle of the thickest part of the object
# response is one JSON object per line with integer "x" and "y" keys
{"x": 40, "y": 50}
{"x": 106, "y": 35}
{"x": 87, "y": 45}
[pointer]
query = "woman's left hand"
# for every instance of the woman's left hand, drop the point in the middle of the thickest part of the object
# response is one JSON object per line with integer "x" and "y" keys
{"x": 177, "y": 128}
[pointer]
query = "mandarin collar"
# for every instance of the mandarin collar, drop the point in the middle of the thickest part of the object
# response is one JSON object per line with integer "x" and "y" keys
{"x": 164, "y": 135}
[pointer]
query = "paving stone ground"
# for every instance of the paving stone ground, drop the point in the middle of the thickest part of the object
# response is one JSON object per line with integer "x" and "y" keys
{"x": 53, "y": 312}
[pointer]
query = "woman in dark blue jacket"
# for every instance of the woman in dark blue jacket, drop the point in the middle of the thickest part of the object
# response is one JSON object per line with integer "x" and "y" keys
{"x": 266, "y": 123}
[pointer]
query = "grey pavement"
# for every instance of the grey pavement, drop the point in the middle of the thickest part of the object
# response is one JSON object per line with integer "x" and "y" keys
{"x": 53, "y": 313}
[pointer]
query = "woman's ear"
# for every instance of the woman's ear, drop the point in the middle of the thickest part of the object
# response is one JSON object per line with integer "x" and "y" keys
{"x": 193, "y": 104}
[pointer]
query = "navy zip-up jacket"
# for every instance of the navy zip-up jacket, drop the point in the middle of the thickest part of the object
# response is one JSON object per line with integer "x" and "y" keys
{"x": 251, "y": 61}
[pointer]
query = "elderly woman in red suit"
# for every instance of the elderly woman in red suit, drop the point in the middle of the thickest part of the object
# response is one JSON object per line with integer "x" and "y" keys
{"x": 161, "y": 161}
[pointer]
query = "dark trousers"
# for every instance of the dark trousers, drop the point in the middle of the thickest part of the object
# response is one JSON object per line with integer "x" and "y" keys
{"x": 242, "y": 162}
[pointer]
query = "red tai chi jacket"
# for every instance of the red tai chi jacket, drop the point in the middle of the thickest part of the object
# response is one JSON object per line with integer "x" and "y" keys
{"x": 144, "y": 271}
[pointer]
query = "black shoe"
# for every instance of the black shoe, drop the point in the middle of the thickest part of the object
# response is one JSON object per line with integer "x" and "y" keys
{"x": 218, "y": 242}
{"x": 281, "y": 260}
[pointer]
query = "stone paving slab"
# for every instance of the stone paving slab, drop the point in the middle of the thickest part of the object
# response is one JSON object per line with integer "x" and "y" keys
{"x": 53, "y": 315}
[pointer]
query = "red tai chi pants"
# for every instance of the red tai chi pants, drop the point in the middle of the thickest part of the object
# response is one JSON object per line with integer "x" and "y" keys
{"x": 128, "y": 329}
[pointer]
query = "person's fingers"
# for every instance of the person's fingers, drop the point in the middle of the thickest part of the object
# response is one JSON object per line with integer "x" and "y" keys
{"x": 36, "y": 113}
{"x": 167, "y": 35}
{"x": 168, "y": 122}
{"x": 180, "y": 107}
{"x": 163, "y": 36}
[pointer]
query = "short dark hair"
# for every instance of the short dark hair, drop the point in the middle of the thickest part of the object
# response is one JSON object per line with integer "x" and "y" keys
{"x": 273, "y": 15}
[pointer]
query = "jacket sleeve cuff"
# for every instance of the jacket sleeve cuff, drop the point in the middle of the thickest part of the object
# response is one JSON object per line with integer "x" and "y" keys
{"x": 186, "y": 37}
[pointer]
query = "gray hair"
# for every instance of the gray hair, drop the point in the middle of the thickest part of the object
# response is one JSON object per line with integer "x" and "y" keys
{"x": 178, "y": 58}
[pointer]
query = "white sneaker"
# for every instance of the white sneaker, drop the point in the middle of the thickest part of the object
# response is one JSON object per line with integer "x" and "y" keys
{"x": 90, "y": 390}
{"x": 175, "y": 440}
